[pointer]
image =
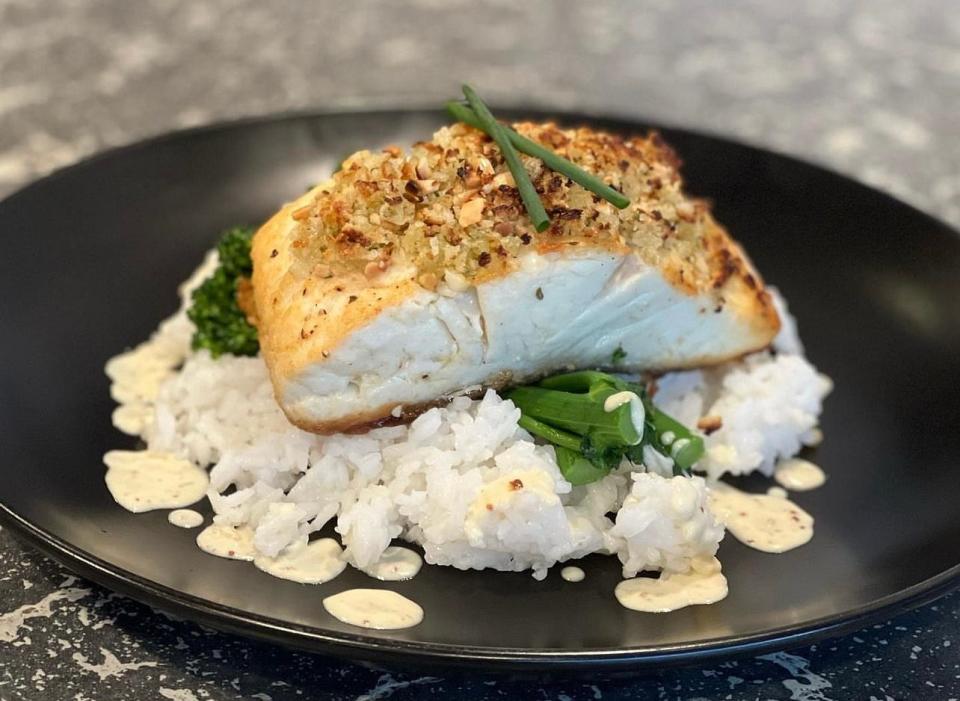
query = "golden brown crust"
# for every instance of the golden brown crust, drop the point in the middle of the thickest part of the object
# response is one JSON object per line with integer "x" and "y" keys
{"x": 451, "y": 204}
{"x": 449, "y": 208}
{"x": 303, "y": 315}
{"x": 390, "y": 225}
{"x": 245, "y": 300}
{"x": 735, "y": 281}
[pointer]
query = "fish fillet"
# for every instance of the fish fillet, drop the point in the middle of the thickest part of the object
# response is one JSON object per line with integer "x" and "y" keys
{"x": 409, "y": 277}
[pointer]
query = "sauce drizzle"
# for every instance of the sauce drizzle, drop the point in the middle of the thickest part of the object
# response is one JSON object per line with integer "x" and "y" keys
{"x": 703, "y": 584}
{"x": 306, "y": 563}
{"x": 185, "y": 518}
{"x": 144, "y": 480}
{"x": 132, "y": 418}
{"x": 638, "y": 414}
{"x": 234, "y": 543}
{"x": 395, "y": 565}
{"x": 799, "y": 475}
{"x": 380, "y": 609}
{"x": 771, "y": 524}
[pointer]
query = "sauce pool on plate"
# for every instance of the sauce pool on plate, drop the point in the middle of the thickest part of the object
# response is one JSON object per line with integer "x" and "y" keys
{"x": 132, "y": 418}
{"x": 380, "y": 609}
{"x": 799, "y": 475}
{"x": 228, "y": 541}
{"x": 703, "y": 584}
{"x": 185, "y": 518}
{"x": 144, "y": 480}
{"x": 306, "y": 563}
{"x": 773, "y": 524}
{"x": 395, "y": 565}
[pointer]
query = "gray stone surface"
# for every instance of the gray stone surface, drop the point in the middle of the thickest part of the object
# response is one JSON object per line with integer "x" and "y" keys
{"x": 871, "y": 88}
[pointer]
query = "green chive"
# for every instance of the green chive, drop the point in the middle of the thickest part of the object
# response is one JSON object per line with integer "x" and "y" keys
{"x": 560, "y": 164}
{"x": 531, "y": 200}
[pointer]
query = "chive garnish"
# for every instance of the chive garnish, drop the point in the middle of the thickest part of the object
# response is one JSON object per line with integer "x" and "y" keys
{"x": 531, "y": 200}
{"x": 464, "y": 114}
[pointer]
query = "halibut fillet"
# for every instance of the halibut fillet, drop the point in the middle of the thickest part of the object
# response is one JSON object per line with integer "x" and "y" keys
{"x": 410, "y": 277}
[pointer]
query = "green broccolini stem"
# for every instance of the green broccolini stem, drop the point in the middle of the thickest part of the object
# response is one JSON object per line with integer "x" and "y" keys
{"x": 577, "y": 469}
{"x": 549, "y": 433}
{"x": 550, "y": 159}
{"x": 574, "y": 467}
{"x": 581, "y": 414}
{"x": 572, "y": 403}
{"x": 586, "y": 381}
{"x": 691, "y": 448}
{"x": 686, "y": 448}
{"x": 531, "y": 200}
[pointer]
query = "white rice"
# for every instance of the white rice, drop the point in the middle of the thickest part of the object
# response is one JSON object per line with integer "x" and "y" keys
{"x": 664, "y": 524}
{"x": 769, "y": 404}
{"x": 447, "y": 481}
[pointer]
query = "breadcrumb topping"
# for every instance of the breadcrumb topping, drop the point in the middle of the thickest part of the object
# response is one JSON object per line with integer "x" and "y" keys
{"x": 449, "y": 207}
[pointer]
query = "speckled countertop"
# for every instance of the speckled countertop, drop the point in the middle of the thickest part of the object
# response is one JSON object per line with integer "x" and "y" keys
{"x": 871, "y": 88}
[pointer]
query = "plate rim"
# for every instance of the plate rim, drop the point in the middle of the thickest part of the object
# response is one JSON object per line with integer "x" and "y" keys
{"x": 371, "y": 648}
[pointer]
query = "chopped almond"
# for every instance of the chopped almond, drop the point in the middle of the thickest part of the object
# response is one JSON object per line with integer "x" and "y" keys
{"x": 471, "y": 212}
{"x": 429, "y": 281}
{"x": 301, "y": 213}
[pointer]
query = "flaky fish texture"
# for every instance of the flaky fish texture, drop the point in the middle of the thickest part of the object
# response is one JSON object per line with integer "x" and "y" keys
{"x": 409, "y": 277}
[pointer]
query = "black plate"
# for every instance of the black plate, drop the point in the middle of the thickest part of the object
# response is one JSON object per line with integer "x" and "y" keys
{"x": 91, "y": 258}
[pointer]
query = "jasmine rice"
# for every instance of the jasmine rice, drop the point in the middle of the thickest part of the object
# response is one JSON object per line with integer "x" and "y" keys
{"x": 464, "y": 481}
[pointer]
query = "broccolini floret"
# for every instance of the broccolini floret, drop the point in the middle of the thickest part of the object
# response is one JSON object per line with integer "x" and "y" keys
{"x": 221, "y": 326}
